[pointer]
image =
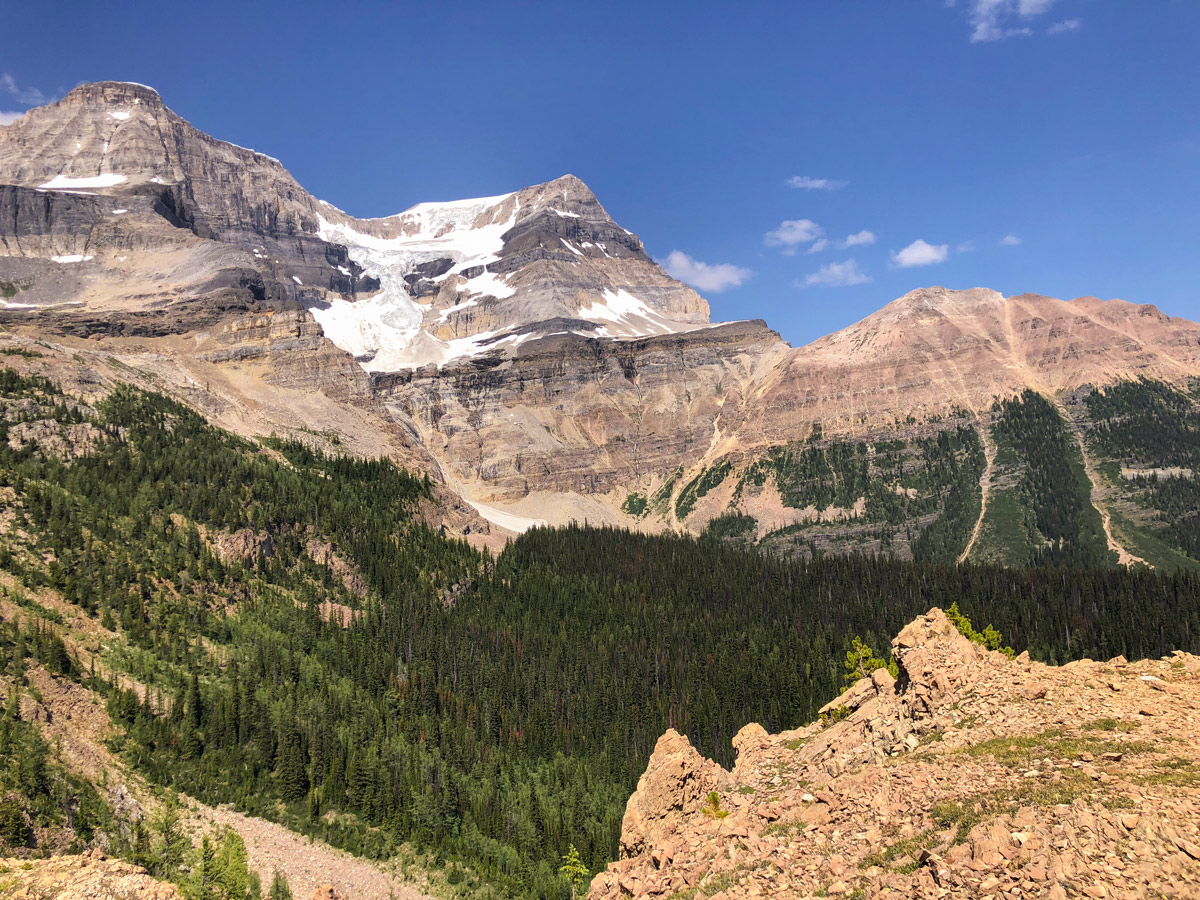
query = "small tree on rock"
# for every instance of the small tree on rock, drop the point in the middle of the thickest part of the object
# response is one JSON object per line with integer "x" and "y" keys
{"x": 861, "y": 661}
{"x": 576, "y": 872}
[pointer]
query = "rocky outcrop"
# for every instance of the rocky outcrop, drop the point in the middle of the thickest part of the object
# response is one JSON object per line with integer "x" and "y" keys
{"x": 675, "y": 785}
{"x": 971, "y": 775}
{"x": 91, "y": 876}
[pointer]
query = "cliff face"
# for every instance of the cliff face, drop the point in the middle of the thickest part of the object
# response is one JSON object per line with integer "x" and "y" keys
{"x": 971, "y": 775}
{"x": 580, "y": 416}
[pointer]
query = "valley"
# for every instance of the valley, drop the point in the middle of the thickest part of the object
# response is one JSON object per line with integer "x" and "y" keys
{"x": 375, "y": 557}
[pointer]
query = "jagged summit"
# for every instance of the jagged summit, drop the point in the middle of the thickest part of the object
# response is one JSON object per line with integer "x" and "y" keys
{"x": 971, "y": 775}
{"x": 118, "y": 92}
{"x": 437, "y": 282}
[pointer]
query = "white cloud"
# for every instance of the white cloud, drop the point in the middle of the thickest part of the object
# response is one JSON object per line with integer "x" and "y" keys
{"x": 965, "y": 247}
{"x": 30, "y": 96}
{"x": 1065, "y": 26}
{"x": 706, "y": 277}
{"x": 836, "y": 275}
{"x": 7, "y": 118}
{"x": 920, "y": 253}
{"x": 858, "y": 239}
{"x": 807, "y": 183}
{"x": 793, "y": 232}
{"x": 995, "y": 20}
{"x": 819, "y": 245}
{"x": 1010, "y": 240}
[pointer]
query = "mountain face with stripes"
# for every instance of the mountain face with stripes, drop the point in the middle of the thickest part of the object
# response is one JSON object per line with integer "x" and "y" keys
{"x": 527, "y": 353}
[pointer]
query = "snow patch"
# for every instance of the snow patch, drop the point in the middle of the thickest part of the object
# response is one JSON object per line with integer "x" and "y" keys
{"x": 73, "y": 258}
{"x": 117, "y": 212}
{"x": 384, "y": 332}
{"x": 120, "y": 116}
{"x": 466, "y": 304}
{"x": 297, "y": 280}
{"x": 488, "y": 283}
{"x": 68, "y": 183}
{"x": 510, "y": 521}
{"x": 568, "y": 245}
{"x": 563, "y": 212}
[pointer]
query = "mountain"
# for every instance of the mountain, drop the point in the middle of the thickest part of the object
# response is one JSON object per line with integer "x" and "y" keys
{"x": 109, "y": 170}
{"x": 527, "y": 353}
{"x": 972, "y": 774}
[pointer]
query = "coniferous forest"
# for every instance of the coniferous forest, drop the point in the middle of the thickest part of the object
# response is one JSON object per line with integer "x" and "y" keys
{"x": 353, "y": 673}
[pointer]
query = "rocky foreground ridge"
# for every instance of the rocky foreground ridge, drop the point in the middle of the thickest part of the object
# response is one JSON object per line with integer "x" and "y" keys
{"x": 971, "y": 775}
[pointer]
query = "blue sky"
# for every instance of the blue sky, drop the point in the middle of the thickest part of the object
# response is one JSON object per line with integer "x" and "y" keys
{"x": 1050, "y": 146}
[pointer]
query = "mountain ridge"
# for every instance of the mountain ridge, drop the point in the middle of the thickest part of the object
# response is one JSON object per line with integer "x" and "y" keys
{"x": 523, "y": 348}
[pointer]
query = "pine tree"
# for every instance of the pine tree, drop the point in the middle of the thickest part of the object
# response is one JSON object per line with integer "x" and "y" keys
{"x": 576, "y": 872}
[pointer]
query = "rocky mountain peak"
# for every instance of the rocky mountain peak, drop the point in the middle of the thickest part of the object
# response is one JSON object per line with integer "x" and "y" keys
{"x": 114, "y": 93}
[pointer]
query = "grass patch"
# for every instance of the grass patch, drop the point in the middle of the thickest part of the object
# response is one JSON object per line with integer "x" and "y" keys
{"x": 909, "y": 846}
{"x": 1178, "y": 771}
{"x": 1120, "y": 725}
{"x": 1027, "y": 751}
{"x": 967, "y": 812}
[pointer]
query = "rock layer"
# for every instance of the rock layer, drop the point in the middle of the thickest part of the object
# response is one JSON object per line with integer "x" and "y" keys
{"x": 523, "y": 349}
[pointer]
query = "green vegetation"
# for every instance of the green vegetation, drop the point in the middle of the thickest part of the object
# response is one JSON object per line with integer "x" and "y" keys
{"x": 635, "y": 505}
{"x": 10, "y": 289}
{"x": 575, "y": 872}
{"x": 707, "y": 480}
{"x": 989, "y": 637}
{"x": 894, "y": 484}
{"x": 22, "y": 352}
{"x": 861, "y": 661}
{"x": 732, "y": 526}
{"x": 1154, "y": 428}
{"x": 712, "y": 806}
{"x": 494, "y": 732}
{"x": 660, "y": 500}
{"x": 1041, "y": 512}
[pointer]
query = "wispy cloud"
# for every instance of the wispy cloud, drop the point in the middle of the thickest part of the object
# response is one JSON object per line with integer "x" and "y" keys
{"x": 862, "y": 238}
{"x": 1065, "y": 27}
{"x": 1009, "y": 240}
{"x": 793, "y": 232}
{"x": 819, "y": 245}
{"x": 920, "y": 253}
{"x": 807, "y": 183}
{"x": 965, "y": 247}
{"x": 713, "y": 278}
{"x": 996, "y": 20}
{"x": 7, "y": 118}
{"x": 29, "y": 96}
{"x": 836, "y": 275}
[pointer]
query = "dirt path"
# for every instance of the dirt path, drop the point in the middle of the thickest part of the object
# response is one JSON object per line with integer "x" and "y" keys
{"x": 985, "y": 487}
{"x": 72, "y": 717}
{"x": 1124, "y": 557}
